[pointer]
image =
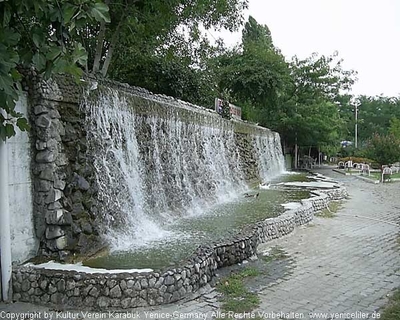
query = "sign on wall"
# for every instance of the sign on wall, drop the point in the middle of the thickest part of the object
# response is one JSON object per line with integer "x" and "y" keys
{"x": 235, "y": 111}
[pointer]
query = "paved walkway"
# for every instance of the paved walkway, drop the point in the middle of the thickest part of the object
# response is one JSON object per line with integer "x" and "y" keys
{"x": 346, "y": 265}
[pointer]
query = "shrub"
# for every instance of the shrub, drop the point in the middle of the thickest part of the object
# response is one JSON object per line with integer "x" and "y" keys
{"x": 385, "y": 149}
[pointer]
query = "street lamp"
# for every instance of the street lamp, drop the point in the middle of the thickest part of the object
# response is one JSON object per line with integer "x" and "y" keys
{"x": 356, "y": 126}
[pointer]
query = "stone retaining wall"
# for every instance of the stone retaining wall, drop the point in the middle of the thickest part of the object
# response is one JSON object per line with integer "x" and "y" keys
{"x": 65, "y": 191}
{"x": 73, "y": 289}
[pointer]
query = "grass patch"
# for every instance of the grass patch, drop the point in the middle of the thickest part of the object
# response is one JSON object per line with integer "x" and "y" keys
{"x": 331, "y": 211}
{"x": 236, "y": 297}
{"x": 277, "y": 253}
{"x": 392, "y": 309}
{"x": 378, "y": 175}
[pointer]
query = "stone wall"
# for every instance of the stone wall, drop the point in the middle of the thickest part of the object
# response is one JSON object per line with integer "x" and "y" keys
{"x": 65, "y": 190}
{"x": 98, "y": 291}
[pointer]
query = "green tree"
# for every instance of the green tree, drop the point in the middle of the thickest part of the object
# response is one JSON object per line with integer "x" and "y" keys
{"x": 254, "y": 73}
{"x": 375, "y": 114}
{"x": 152, "y": 27}
{"x": 312, "y": 101}
{"x": 385, "y": 149}
{"x": 394, "y": 127}
{"x": 41, "y": 35}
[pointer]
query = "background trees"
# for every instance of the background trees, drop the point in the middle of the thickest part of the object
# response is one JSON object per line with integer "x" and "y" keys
{"x": 120, "y": 36}
{"x": 300, "y": 98}
{"x": 161, "y": 45}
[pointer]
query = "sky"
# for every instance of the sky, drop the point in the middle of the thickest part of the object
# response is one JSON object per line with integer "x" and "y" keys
{"x": 366, "y": 33}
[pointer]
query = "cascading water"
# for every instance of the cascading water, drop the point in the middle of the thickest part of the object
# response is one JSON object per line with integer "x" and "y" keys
{"x": 153, "y": 170}
{"x": 119, "y": 172}
{"x": 270, "y": 159}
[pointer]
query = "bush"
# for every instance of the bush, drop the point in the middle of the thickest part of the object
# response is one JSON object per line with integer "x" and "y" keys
{"x": 357, "y": 160}
{"x": 385, "y": 149}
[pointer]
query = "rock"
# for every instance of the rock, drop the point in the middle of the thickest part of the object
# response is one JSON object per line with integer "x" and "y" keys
{"x": 103, "y": 302}
{"x": 62, "y": 160}
{"x": 77, "y": 209}
{"x": 53, "y": 232}
{"x": 52, "y": 289}
{"x": 52, "y": 144}
{"x": 123, "y": 285}
{"x": 17, "y": 287}
{"x": 61, "y": 285}
{"x": 59, "y": 184}
{"x": 54, "y": 206}
{"x": 61, "y": 243}
{"x": 125, "y": 303}
{"x": 43, "y": 121}
{"x": 86, "y": 227}
{"x": 45, "y": 156}
{"x": 83, "y": 240}
{"x": 53, "y": 196}
{"x": 94, "y": 292}
{"x": 42, "y": 185}
{"x": 130, "y": 283}
{"x": 70, "y": 285}
{"x": 144, "y": 284}
{"x": 169, "y": 280}
{"x": 159, "y": 282}
{"x": 89, "y": 301}
{"x": 77, "y": 197}
{"x": 39, "y": 109}
{"x": 81, "y": 182}
{"x": 40, "y": 145}
{"x": 58, "y": 217}
{"x": 116, "y": 292}
{"x": 54, "y": 114}
{"x": 70, "y": 133}
{"x": 152, "y": 282}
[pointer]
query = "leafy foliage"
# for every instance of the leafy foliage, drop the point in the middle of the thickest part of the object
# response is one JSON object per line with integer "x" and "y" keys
{"x": 394, "y": 127}
{"x": 300, "y": 99}
{"x": 375, "y": 115}
{"x": 158, "y": 28}
{"x": 40, "y": 34}
{"x": 254, "y": 73}
{"x": 385, "y": 149}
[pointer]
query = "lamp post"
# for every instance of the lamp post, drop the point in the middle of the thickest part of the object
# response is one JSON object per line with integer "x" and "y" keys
{"x": 356, "y": 126}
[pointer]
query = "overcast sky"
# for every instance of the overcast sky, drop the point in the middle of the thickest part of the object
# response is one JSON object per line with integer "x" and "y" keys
{"x": 366, "y": 33}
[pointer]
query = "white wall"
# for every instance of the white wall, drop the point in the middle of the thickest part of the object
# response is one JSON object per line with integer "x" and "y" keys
{"x": 23, "y": 240}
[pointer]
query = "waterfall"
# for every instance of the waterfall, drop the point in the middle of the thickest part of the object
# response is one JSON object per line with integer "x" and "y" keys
{"x": 153, "y": 169}
{"x": 270, "y": 159}
{"x": 119, "y": 173}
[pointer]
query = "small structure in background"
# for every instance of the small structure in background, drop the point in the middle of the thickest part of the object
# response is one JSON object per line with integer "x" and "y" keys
{"x": 386, "y": 173}
{"x": 346, "y": 143}
{"x": 235, "y": 112}
{"x": 348, "y": 164}
{"x": 365, "y": 169}
{"x": 340, "y": 165}
{"x": 307, "y": 162}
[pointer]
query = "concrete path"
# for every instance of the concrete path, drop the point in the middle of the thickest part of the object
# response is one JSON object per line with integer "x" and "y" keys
{"x": 344, "y": 266}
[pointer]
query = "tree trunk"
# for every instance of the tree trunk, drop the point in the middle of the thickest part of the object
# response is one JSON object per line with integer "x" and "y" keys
{"x": 110, "y": 50}
{"x": 99, "y": 47}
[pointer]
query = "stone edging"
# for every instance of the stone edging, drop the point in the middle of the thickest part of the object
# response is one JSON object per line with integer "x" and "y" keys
{"x": 72, "y": 289}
